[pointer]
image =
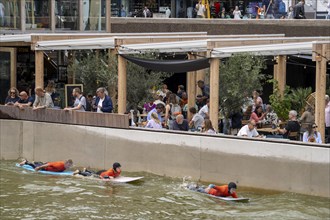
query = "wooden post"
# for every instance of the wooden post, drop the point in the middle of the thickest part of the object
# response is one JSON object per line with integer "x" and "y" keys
{"x": 200, "y": 75}
{"x": 191, "y": 87}
{"x": 122, "y": 85}
{"x": 108, "y": 16}
{"x": 281, "y": 71}
{"x": 321, "y": 68}
{"x": 52, "y": 15}
{"x": 23, "y": 16}
{"x": 13, "y": 66}
{"x": 214, "y": 91}
{"x": 39, "y": 68}
{"x": 81, "y": 16}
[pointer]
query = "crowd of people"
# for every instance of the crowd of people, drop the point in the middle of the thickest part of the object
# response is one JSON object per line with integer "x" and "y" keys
{"x": 169, "y": 110}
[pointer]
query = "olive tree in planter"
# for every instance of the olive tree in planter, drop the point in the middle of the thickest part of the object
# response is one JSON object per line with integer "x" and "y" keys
{"x": 96, "y": 70}
{"x": 240, "y": 75}
{"x": 280, "y": 103}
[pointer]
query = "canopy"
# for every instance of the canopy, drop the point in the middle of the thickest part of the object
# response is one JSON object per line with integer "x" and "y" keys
{"x": 173, "y": 66}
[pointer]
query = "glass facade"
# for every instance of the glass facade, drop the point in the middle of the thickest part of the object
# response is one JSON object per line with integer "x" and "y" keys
{"x": 37, "y": 14}
{"x": 94, "y": 15}
{"x": 4, "y": 75}
{"x": 67, "y": 14}
{"x": 10, "y": 14}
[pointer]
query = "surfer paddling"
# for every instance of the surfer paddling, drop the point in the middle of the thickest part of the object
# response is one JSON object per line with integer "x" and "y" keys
{"x": 222, "y": 191}
{"x": 57, "y": 166}
{"x": 103, "y": 174}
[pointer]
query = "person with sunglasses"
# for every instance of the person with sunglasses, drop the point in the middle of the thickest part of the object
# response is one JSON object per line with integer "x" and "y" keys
{"x": 12, "y": 97}
{"x": 312, "y": 135}
{"x": 249, "y": 130}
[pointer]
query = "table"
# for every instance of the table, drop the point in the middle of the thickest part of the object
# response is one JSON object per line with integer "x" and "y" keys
{"x": 267, "y": 130}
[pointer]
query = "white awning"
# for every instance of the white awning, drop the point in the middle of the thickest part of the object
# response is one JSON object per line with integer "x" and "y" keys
{"x": 15, "y": 38}
{"x": 166, "y": 47}
{"x": 77, "y": 44}
{"x": 265, "y": 50}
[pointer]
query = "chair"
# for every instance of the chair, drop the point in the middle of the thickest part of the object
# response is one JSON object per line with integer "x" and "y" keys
{"x": 294, "y": 135}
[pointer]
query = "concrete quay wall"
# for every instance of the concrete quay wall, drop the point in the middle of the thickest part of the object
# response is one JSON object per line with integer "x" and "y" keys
{"x": 284, "y": 166}
{"x": 289, "y": 27}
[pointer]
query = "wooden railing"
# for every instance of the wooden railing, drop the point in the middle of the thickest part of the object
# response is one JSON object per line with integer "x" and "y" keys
{"x": 65, "y": 117}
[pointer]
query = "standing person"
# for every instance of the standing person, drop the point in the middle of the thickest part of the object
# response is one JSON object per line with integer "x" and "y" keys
{"x": 2, "y": 14}
{"x": 312, "y": 135}
{"x": 237, "y": 13}
{"x": 249, "y": 130}
{"x": 57, "y": 166}
{"x": 307, "y": 118}
{"x": 200, "y": 10}
{"x": 168, "y": 13}
{"x": 204, "y": 111}
{"x": 154, "y": 122}
{"x": 207, "y": 127}
{"x": 223, "y": 13}
{"x": 123, "y": 11}
{"x": 24, "y": 100}
{"x": 205, "y": 90}
{"x": 327, "y": 118}
{"x": 180, "y": 124}
{"x": 299, "y": 10}
{"x": 180, "y": 90}
{"x": 80, "y": 101}
{"x": 172, "y": 109}
{"x": 290, "y": 13}
{"x": 159, "y": 110}
{"x": 112, "y": 172}
{"x": 146, "y": 12}
{"x": 292, "y": 125}
{"x": 103, "y": 102}
{"x": 148, "y": 106}
{"x": 12, "y": 97}
{"x": 268, "y": 9}
{"x": 197, "y": 120}
{"x": 257, "y": 100}
{"x": 43, "y": 99}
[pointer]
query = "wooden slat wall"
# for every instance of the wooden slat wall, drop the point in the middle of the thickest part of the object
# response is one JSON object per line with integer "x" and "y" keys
{"x": 65, "y": 117}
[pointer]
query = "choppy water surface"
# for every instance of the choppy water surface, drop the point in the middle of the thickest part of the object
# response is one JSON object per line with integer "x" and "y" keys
{"x": 26, "y": 195}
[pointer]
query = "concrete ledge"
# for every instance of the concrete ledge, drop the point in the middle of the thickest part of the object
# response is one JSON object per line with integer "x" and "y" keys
{"x": 260, "y": 164}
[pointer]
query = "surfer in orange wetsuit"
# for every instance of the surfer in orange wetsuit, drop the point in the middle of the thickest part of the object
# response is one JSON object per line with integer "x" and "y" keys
{"x": 112, "y": 172}
{"x": 57, "y": 166}
{"x": 223, "y": 191}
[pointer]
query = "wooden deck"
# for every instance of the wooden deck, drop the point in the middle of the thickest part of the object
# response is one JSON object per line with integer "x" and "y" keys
{"x": 65, "y": 117}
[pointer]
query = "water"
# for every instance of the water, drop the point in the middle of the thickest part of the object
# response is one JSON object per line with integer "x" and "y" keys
{"x": 26, "y": 195}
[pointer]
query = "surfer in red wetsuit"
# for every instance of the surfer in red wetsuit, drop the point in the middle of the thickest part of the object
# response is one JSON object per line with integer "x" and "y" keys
{"x": 112, "y": 172}
{"x": 223, "y": 191}
{"x": 57, "y": 166}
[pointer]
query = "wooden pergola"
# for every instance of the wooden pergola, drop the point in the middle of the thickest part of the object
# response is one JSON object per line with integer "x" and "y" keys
{"x": 195, "y": 44}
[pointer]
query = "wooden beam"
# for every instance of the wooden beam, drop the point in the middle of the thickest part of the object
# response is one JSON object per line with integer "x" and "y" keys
{"x": 214, "y": 91}
{"x": 191, "y": 87}
{"x": 23, "y": 16}
{"x": 52, "y": 16}
{"x": 108, "y": 16}
{"x": 321, "y": 68}
{"x": 122, "y": 85}
{"x": 280, "y": 73}
{"x": 39, "y": 68}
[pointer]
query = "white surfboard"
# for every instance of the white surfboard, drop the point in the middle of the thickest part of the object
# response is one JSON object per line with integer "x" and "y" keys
{"x": 119, "y": 179}
{"x": 85, "y": 13}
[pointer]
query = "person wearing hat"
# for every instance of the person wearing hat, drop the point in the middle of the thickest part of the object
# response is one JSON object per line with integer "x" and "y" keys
{"x": 223, "y": 191}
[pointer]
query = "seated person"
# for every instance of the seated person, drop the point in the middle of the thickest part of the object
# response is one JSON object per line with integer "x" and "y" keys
{"x": 197, "y": 120}
{"x": 258, "y": 114}
{"x": 24, "y": 100}
{"x": 180, "y": 124}
{"x": 249, "y": 130}
{"x": 43, "y": 99}
{"x": 292, "y": 126}
{"x": 312, "y": 135}
{"x": 207, "y": 127}
{"x": 57, "y": 166}
{"x": 12, "y": 97}
{"x": 154, "y": 122}
{"x": 112, "y": 172}
{"x": 271, "y": 116}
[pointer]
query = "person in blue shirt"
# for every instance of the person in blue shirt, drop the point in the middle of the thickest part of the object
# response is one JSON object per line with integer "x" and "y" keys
{"x": 103, "y": 102}
{"x": 12, "y": 97}
{"x": 159, "y": 110}
{"x": 24, "y": 100}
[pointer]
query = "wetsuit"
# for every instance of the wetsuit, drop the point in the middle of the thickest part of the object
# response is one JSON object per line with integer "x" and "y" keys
{"x": 110, "y": 172}
{"x": 57, "y": 166}
{"x": 222, "y": 191}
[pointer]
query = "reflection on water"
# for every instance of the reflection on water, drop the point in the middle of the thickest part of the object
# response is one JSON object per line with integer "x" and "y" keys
{"x": 26, "y": 195}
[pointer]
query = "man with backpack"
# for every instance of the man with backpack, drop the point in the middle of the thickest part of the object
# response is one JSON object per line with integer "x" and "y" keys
{"x": 80, "y": 101}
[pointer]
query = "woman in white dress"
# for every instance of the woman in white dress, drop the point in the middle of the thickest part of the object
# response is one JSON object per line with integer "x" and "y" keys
{"x": 237, "y": 13}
